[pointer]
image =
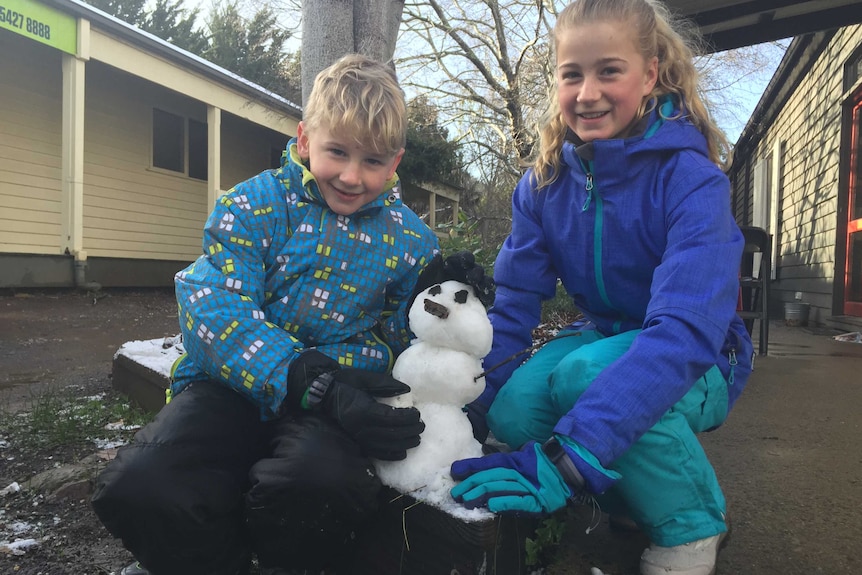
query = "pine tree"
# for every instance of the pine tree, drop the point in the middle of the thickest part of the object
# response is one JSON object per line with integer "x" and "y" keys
{"x": 131, "y": 11}
{"x": 173, "y": 23}
{"x": 254, "y": 51}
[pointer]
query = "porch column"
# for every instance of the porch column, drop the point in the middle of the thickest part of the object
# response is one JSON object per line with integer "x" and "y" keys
{"x": 72, "y": 146}
{"x": 213, "y": 156}
{"x": 432, "y": 210}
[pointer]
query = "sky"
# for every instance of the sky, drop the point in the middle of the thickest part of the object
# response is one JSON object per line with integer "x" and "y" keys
{"x": 740, "y": 95}
{"x": 737, "y": 102}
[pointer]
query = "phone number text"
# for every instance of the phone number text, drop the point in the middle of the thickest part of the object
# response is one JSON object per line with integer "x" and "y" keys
{"x": 22, "y": 22}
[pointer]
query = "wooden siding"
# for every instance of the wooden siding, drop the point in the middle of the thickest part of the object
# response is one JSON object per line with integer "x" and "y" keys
{"x": 809, "y": 129}
{"x": 245, "y": 149}
{"x": 130, "y": 209}
{"x": 30, "y": 114}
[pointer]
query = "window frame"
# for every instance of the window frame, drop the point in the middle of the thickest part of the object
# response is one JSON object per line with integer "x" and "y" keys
{"x": 193, "y": 149}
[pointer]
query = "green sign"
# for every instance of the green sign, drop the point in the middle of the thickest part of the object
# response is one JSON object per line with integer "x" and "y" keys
{"x": 40, "y": 23}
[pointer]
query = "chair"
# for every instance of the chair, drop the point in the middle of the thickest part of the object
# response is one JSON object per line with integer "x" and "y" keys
{"x": 754, "y": 287}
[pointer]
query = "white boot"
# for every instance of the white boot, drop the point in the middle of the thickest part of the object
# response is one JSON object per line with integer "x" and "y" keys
{"x": 695, "y": 558}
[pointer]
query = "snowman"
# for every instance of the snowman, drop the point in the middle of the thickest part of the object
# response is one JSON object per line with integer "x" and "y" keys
{"x": 443, "y": 367}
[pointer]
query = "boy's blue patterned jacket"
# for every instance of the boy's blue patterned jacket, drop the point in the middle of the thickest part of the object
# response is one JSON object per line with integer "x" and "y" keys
{"x": 280, "y": 272}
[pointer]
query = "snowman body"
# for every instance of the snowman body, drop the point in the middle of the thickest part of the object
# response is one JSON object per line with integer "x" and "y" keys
{"x": 443, "y": 367}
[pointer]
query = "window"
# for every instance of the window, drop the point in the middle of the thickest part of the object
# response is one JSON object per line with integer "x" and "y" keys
{"x": 197, "y": 150}
{"x": 176, "y": 139}
{"x": 853, "y": 69}
{"x": 168, "y": 141}
{"x": 767, "y": 179}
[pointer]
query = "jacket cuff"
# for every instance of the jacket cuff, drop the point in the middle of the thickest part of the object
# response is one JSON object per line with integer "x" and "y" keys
{"x": 303, "y": 371}
{"x": 596, "y": 478}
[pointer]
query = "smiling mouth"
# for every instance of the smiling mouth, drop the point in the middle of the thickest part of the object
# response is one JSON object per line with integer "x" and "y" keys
{"x": 343, "y": 193}
{"x": 591, "y": 115}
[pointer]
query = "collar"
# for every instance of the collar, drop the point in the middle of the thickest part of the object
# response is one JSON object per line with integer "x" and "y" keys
{"x": 391, "y": 195}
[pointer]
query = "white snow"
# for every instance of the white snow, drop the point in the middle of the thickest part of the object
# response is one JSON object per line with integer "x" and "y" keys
{"x": 17, "y": 547}
{"x": 158, "y": 355}
{"x": 10, "y": 541}
{"x": 10, "y": 489}
{"x": 102, "y": 443}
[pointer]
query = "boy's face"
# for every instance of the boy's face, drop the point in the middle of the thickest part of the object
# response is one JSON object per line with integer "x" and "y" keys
{"x": 348, "y": 175}
{"x": 601, "y": 79}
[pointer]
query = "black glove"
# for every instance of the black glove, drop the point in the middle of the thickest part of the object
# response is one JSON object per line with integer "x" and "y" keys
{"x": 477, "y": 414}
{"x": 462, "y": 267}
{"x": 316, "y": 382}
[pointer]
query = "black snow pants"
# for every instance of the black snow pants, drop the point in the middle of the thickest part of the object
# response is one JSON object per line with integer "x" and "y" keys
{"x": 206, "y": 484}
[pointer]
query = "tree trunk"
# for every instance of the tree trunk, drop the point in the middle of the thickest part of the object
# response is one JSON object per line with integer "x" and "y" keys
{"x": 333, "y": 28}
{"x": 327, "y": 35}
{"x": 375, "y": 27}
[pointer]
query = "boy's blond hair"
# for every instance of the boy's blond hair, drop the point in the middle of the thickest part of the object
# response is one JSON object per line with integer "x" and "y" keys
{"x": 361, "y": 97}
{"x": 673, "y": 42}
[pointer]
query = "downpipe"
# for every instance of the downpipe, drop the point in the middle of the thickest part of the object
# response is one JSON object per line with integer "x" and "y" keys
{"x": 81, "y": 282}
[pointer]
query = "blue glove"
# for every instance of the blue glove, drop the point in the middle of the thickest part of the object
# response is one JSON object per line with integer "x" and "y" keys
{"x": 524, "y": 482}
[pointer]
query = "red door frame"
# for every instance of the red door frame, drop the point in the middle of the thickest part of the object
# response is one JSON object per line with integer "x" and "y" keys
{"x": 854, "y": 194}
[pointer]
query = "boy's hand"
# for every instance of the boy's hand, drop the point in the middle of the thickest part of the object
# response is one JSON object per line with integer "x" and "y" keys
{"x": 383, "y": 432}
{"x": 462, "y": 267}
{"x": 347, "y": 395}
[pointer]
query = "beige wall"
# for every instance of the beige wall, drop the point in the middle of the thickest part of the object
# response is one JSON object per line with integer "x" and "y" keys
{"x": 132, "y": 210}
{"x": 244, "y": 148}
{"x": 30, "y": 100}
{"x": 806, "y": 139}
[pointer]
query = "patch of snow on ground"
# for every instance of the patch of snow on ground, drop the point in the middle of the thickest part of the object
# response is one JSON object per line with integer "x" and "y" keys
{"x": 109, "y": 443}
{"x": 17, "y": 547}
{"x": 10, "y": 542}
{"x": 10, "y": 489}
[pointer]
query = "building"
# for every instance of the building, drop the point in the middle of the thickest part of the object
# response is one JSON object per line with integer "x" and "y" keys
{"x": 797, "y": 172}
{"x": 114, "y": 146}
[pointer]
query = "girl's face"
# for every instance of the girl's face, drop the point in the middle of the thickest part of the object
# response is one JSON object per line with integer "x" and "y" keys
{"x": 601, "y": 79}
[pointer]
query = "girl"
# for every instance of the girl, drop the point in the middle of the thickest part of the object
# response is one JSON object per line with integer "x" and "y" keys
{"x": 627, "y": 205}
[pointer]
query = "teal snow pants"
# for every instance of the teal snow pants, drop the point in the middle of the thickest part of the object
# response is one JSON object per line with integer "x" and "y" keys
{"x": 668, "y": 487}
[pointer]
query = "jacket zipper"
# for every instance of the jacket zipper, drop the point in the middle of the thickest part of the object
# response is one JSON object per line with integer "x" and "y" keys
{"x": 588, "y": 187}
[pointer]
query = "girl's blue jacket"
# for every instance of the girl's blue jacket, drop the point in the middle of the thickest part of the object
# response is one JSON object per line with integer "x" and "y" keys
{"x": 280, "y": 273}
{"x": 640, "y": 232}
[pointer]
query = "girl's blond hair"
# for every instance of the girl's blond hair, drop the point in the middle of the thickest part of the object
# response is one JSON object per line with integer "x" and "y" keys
{"x": 673, "y": 42}
{"x": 361, "y": 97}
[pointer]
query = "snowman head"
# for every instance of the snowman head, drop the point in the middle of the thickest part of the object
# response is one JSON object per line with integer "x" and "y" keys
{"x": 450, "y": 315}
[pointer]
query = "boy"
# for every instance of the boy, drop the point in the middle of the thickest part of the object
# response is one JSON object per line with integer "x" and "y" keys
{"x": 291, "y": 320}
